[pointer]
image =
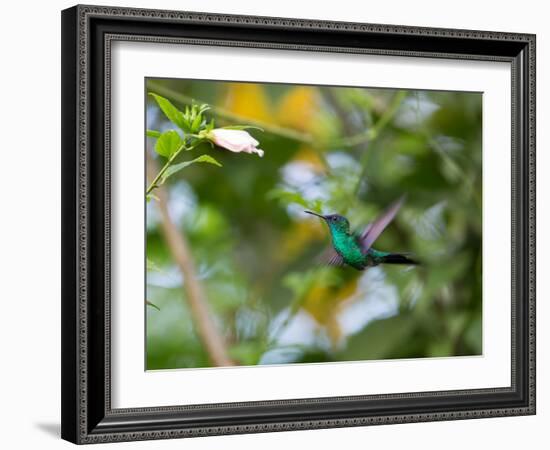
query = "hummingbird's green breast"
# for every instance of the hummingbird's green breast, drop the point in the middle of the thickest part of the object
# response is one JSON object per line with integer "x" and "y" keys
{"x": 349, "y": 249}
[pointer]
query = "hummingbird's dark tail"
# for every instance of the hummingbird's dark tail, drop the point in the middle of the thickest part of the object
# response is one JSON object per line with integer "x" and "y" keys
{"x": 397, "y": 258}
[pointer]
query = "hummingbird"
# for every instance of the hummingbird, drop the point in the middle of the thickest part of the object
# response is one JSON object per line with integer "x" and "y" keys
{"x": 355, "y": 249}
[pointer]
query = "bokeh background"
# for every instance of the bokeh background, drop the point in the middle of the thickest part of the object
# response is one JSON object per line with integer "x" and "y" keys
{"x": 342, "y": 150}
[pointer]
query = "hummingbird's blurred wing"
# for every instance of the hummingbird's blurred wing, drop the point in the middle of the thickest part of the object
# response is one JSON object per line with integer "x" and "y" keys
{"x": 372, "y": 231}
{"x": 331, "y": 258}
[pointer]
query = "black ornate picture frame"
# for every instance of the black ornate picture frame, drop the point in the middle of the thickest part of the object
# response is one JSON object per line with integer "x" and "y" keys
{"x": 87, "y": 35}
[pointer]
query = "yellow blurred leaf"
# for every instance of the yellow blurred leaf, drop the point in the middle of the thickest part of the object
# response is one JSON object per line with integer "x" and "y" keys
{"x": 297, "y": 238}
{"x": 324, "y": 304}
{"x": 249, "y": 100}
{"x": 306, "y": 154}
{"x": 298, "y": 108}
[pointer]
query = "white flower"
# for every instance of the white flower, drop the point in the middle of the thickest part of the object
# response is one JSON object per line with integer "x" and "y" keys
{"x": 235, "y": 141}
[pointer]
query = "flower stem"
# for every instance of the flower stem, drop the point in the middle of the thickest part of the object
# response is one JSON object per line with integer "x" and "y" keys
{"x": 154, "y": 184}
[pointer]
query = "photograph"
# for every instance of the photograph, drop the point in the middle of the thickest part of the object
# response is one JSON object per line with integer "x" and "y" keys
{"x": 278, "y": 222}
{"x": 290, "y": 223}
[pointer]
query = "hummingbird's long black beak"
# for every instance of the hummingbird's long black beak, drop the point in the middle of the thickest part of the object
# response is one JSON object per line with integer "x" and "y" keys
{"x": 315, "y": 214}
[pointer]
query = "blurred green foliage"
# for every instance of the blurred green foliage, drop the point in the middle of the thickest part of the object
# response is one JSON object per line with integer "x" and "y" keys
{"x": 350, "y": 151}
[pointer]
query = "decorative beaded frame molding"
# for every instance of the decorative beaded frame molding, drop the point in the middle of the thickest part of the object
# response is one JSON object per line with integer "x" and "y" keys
{"x": 87, "y": 34}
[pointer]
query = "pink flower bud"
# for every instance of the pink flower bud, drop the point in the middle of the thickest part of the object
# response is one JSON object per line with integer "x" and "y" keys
{"x": 235, "y": 141}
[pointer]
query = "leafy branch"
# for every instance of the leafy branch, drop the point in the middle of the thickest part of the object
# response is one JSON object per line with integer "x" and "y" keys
{"x": 172, "y": 143}
{"x": 193, "y": 129}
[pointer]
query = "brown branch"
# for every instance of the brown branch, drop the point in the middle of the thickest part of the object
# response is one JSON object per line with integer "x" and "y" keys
{"x": 196, "y": 297}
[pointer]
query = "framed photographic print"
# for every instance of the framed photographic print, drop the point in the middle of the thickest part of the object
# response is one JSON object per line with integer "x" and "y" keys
{"x": 282, "y": 224}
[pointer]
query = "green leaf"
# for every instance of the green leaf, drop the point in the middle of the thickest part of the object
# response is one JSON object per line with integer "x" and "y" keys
{"x": 195, "y": 126}
{"x": 177, "y": 167}
{"x": 204, "y": 107}
{"x": 150, "y": 197}
{"x": 246, "y": 353}
{"x": 287, "y": 197}
{"x": 152, "y": 305}
{"x": 153, "y": 133}
{"x": 168, "y": 143}
{"x": 380, "y": 339}
{"x": 174, "y": 114}
{"x": 152, "y": 266}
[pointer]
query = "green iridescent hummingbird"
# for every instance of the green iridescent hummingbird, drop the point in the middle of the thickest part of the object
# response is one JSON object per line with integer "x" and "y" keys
{"x": 355, "y": 249}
